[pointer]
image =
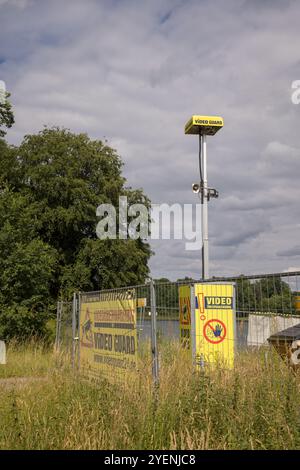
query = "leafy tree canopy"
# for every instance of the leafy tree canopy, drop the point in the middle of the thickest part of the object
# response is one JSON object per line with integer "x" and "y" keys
{"x": 6, "y": 115}
{"x": 50, "y": 187}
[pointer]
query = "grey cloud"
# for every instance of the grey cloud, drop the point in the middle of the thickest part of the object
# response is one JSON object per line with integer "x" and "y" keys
{"x": 280, "y": 160}
{"x": 295, "y": 251}
{"x": 134, "y": 72}
{"x": 240, "y": 234}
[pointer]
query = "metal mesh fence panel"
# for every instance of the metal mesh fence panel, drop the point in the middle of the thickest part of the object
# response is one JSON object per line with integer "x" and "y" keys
{"x": 115, "y": 332}
{"x": 264, "y": 306}
{"x": 64, "y": 334}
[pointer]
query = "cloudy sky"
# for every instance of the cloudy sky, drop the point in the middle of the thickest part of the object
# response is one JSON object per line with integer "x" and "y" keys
{"x": 134, "y": 72}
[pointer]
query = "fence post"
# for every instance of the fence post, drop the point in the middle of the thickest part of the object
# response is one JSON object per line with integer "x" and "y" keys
{"x": 193, "y": 326}
{"x": 78, "y": 328}
{"x": 74, "y": 309}
{"x": 58, "y": 324}
{"x": 154, "y": 351}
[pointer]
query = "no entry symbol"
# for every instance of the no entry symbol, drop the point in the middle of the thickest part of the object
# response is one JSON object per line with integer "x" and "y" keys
{"x": 214, "y": 331}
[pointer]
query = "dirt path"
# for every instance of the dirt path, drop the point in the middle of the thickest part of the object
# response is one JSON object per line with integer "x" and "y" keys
{"x": 17, "y": 382}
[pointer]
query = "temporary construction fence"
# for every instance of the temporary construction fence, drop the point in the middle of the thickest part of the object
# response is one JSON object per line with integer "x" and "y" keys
{"x": 64, "y": 338}
{"x": 110, "y": 330}
{"x": 114, "y": 332}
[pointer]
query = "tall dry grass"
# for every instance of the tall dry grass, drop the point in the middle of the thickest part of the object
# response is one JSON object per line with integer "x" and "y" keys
{"x": 256, "y": 406}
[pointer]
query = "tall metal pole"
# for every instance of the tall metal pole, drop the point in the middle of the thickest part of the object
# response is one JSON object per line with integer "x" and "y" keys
{"x": 204, "y": 212}
{"x": 203, "y": 126}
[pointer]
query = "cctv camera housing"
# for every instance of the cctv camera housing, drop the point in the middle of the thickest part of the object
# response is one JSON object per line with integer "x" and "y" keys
{"x": 196, "y": 187}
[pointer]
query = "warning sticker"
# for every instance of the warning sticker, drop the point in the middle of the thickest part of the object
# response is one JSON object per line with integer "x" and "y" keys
{"x": 185, "y": 317}
{"x": 214, "y": 331}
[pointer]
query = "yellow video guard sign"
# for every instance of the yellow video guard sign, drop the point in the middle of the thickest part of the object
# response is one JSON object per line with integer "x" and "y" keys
{"x": 185, "y": 316}
{"x": 214, "y": 341}
{"x": 108, "y": 339}
{"x": 204, "y": 125}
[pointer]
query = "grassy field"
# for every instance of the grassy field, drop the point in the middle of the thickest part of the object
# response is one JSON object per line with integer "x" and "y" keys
{"x": 44, "y": 405}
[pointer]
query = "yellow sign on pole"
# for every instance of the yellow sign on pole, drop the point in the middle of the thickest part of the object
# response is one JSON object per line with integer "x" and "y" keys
{"x": 107, "y": 336}
{"x": 208, "y": 125}
{"x": 214, "y": 325}
{"x": 185, "y": 316}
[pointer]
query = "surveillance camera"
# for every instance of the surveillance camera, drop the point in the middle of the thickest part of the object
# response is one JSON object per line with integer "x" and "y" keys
{"x": 213, "y": 193}
{"x": 196, "y": 187}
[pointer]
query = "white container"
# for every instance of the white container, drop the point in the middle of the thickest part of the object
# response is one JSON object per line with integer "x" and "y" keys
{"x": 2, "y": 353}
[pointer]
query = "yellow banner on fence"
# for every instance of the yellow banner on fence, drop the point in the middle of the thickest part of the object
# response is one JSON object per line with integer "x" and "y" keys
{"x": 107, "y": 337}
{"x": 185, "y": 316}
{"x": 214, "y": 324}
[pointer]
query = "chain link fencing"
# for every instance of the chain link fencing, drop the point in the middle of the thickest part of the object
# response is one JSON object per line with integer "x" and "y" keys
{"x": 265, "y": 305}
{"x": 64, "y": 337}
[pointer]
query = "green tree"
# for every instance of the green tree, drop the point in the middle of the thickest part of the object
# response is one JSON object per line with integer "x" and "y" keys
{"x": 25, "y": 279}
{"x": 6, "y": 115}
{"x": 268, "y": 287}
{"x": 245, "y": 296}
{"x": 281, "y": 304}
{"x": 50, "y": 187}
{"x": 269, "y": 294}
